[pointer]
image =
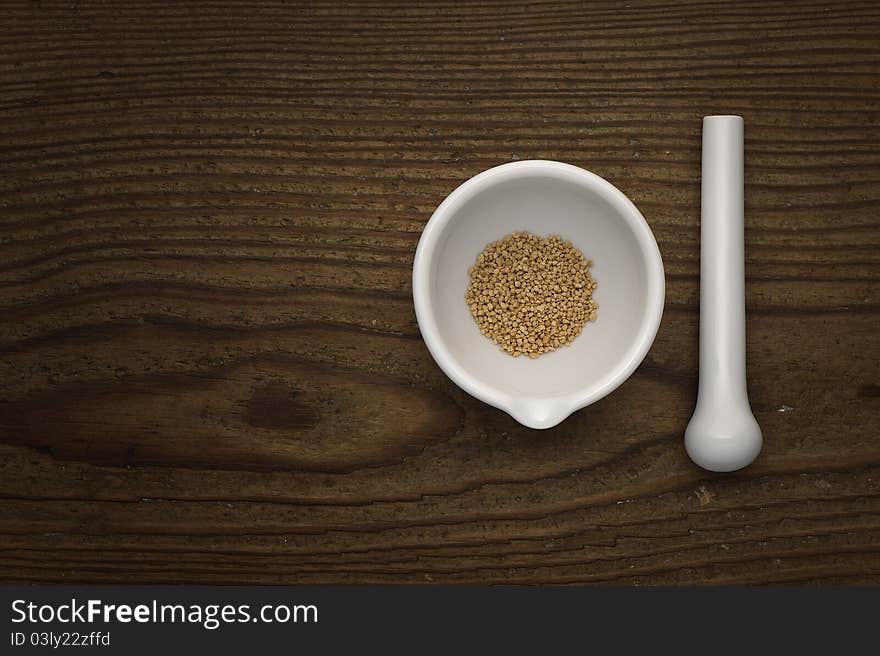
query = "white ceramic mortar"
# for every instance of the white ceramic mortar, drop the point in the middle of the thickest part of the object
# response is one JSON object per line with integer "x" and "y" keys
{"x": 544, "y": 198}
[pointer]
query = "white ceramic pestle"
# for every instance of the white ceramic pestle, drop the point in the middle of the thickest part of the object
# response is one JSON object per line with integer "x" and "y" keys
{"x": 722, "y": 434}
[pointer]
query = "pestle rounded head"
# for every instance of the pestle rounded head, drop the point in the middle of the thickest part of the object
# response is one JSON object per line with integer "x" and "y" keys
{"x": 723, "y": 442}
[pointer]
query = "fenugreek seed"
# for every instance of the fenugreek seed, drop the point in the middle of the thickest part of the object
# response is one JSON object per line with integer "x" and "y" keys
{"x": 529, "y": 294}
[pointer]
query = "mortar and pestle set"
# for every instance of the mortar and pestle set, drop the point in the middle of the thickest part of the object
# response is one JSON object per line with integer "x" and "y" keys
{"x": 545, "y": 197}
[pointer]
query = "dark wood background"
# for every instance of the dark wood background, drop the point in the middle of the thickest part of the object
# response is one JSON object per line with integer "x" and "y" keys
{"x": 211, "y": 371}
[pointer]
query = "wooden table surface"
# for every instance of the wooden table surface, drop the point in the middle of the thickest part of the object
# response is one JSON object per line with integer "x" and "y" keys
{"x": 211, "y": 370}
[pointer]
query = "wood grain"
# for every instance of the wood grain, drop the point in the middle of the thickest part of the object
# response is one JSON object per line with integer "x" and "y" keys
{"x": 211, "y": 371}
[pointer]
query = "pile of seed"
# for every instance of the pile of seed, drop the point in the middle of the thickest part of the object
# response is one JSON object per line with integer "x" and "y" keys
{"x": 531, "y": 295}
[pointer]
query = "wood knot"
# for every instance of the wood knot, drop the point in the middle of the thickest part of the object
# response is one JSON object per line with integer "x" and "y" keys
{"x": 278, "y": 405}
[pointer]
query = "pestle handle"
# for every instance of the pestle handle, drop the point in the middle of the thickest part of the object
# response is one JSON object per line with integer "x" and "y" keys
{"x": 722, "y": 257}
